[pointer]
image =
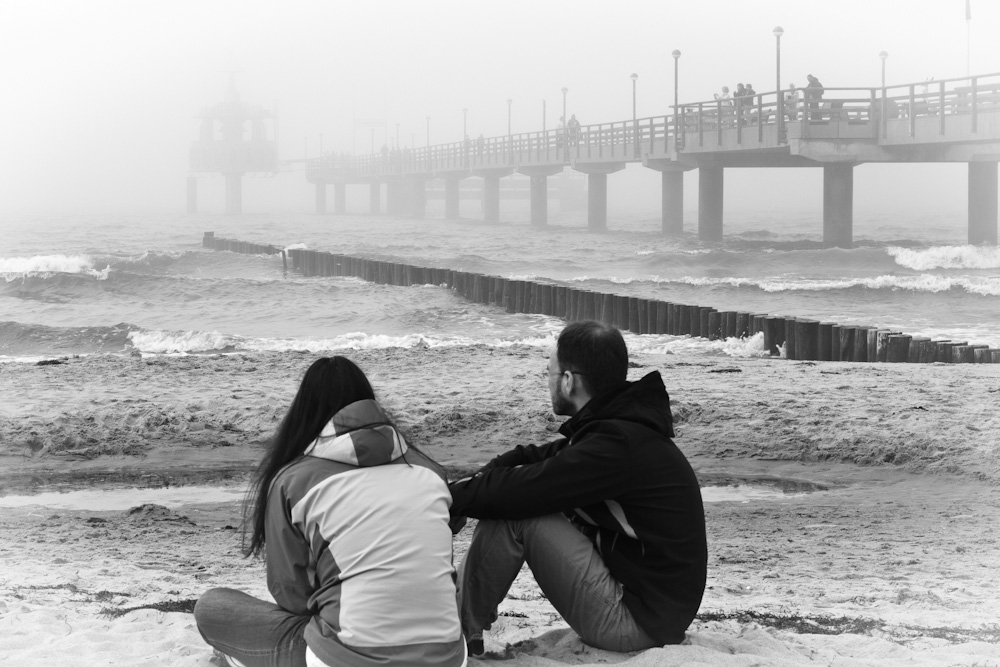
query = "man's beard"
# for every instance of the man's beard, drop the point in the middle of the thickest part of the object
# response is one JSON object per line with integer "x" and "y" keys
{"x": 561, "y": 405}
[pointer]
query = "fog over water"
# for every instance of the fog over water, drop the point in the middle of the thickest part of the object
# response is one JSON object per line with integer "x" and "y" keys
{"x": 100, "y": 96}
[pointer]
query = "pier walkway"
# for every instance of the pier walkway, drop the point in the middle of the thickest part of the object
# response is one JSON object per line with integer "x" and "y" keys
{"x": 953, "y": 120}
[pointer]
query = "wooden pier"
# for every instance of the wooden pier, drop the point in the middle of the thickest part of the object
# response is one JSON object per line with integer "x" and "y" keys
{"x": 954, "y": 120}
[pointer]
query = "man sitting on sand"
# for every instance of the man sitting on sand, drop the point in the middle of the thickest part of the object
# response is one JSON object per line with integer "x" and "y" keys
{"x": 609, "y": 517}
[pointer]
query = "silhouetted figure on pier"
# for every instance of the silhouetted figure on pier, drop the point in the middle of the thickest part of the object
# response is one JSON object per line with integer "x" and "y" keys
{"x": 726, "y": 104}
{"x": 813, "y": 93}
{"x": 748, "y": 99}
{"x": 574, "y": 129}
{"x": 740, "y": 102}
{"x": 792, "y": 102}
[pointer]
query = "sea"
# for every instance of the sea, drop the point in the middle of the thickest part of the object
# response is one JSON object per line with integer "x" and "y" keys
{"x": 127, "y": 284}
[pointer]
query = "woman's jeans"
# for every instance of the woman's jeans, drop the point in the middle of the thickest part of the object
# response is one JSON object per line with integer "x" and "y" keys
{"x": 566, "y": 566}
{"x": 255, "y": 632}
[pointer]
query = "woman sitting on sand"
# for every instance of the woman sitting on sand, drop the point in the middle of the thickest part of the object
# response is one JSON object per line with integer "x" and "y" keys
{"x": 353, "y": 524}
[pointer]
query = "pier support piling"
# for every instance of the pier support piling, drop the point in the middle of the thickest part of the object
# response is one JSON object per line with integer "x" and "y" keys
{"x": 838, "y": 205}
{"x": 395, "y": 197}
{"x": 234, "y": 194}
{"x": 673, "y": 202}
{"x": 192, "y": 194}
{"x": 321, "y": 198}
{"x": 539, "y": 200}
{"x": 597, "y": 202}
{"x": 539, "y": 192}
{"x": 710, "y": 193}
{"x": 451, "y": 186}
{"x": 491, "y": 198}
{"x": 418, "y": 197}
{"x": 982, "y": 203}
{"x": 340, "y": 198}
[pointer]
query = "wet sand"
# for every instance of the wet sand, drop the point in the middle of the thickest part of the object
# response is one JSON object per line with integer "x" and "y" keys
{"x": 888, "y": 537}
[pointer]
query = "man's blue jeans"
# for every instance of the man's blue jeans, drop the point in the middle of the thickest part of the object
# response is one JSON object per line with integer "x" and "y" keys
{"x": 567, "y": 567}
{"x": 255, "y": 632}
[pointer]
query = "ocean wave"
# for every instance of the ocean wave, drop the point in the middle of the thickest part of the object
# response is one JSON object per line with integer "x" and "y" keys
{"x": 947, "y": 257}
{"x": 752, "y": 346}
{"x": 15, "y": 268}
{"x": 983, "y": 286}
{"x": 25, "y": 339}
{"x": 190, "y": 342}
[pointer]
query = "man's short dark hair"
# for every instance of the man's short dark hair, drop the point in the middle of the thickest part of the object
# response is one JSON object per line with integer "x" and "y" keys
{"x": 597, "y": 352}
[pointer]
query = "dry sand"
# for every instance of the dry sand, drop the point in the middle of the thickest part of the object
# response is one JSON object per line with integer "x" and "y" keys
{"x": 884, "y": 552}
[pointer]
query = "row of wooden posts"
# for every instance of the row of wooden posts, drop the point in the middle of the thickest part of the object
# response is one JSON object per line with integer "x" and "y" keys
{"x": 801, "y": 338}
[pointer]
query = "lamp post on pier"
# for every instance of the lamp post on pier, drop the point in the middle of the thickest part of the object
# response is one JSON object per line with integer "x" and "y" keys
{"x": 779, "y": 96}
{"x": 564, "y": 91}
{"x": 465, "y": 124}
{"x": 635, "y": 127}
{"x": 883, "y": 55}
{"x": 397, "y": 136}
{"x": 677, "y": 126}
{"x": 634, "y": 77}
{"x": 778, "y": 32}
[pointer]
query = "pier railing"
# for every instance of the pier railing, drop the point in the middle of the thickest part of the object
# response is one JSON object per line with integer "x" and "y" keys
{"x": 960, "y": 109}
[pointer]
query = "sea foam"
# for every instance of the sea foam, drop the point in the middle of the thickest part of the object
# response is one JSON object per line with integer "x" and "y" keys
{"x": 12, "y": 268}
{"x": 947, "y": 257}
{"x": 982, "y": 285}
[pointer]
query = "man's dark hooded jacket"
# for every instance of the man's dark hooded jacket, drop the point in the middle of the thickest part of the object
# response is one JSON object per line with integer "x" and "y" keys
{"x": 619, "y": 476}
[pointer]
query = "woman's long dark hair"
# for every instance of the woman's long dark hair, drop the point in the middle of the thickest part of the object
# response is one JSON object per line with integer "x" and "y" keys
{"x": 330, "y": 384}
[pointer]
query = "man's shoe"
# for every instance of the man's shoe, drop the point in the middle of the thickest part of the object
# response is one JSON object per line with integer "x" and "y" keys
{"x": 475, "y": 645}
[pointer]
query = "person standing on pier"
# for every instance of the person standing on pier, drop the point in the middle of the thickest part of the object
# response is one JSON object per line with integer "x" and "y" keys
{"x": 609, "y": 517}
{"x": 792, "y": 103}
{"x": 574, "y": 129}
{"x": 813, "y": 92}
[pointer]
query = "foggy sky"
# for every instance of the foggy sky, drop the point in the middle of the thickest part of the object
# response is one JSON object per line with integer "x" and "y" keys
{"x": 99, "y": 97}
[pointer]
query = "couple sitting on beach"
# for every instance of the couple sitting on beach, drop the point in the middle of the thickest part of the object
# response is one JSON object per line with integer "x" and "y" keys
{"x": 356, "y": 525}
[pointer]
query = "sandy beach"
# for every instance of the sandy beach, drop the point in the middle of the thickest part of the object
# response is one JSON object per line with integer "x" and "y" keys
{"x": 874, "y": 540}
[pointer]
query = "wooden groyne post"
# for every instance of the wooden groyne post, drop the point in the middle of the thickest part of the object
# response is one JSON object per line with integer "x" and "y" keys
{"x": 799, "y": 338}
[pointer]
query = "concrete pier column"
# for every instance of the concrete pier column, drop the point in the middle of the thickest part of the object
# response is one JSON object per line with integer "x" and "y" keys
{"x": 451, "y": 187}
{"x": 539, "y": 193}
{"x": 491, "y": 191}
{"x": 192, "y": 194}
{"x": 539, "y": 200}
{"x": 340, "y": 198}
{"x": 394, "y": 197}
{"x": 375, "y": 198}
{"x": 491, "y": 198}
{"x": 418, "y": 198}
{"x": 597, "y": 202}
{"x": 597, "y": 192}
{"x": 838, "y": 205}
{"x": 673, "y": 202}
{"x": 234, "y": 194}
{"x": 982, "y": 203}
{"x": 710, "y": 193}
{"x": 321, "y": 197}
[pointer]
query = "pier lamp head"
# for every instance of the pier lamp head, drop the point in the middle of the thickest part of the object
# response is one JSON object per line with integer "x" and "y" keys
{"x": 778, "y": 32}
{"x": 634, "y": 76}
{"x": 676, "y": 54}
{"x": 883, "y": 55}
{"x": 565, "y": 90}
